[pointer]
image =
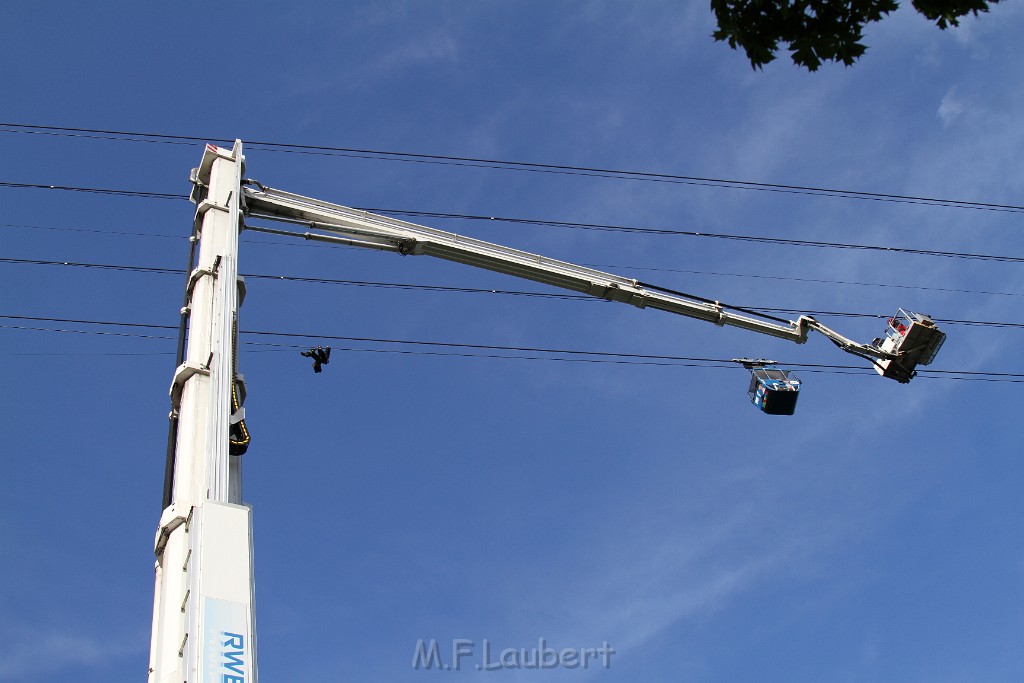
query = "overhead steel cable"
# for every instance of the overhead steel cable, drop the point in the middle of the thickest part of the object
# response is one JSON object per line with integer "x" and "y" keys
{"x": 761, "y": 310}
{"x": 311, "y": 280}
{"x": 693, "y": 233}
{"x": 134, "y": 335}
{"x": 742, "y": 309}
{"x": 621, "y": 357}
{"x": 98, "y": 266}
{"x": 784, "y": 278}
{"x": 95, "y": 190}
{"x": 93, "y": 231}
{"x": 502, "y": 164}
{"x": 838, "y": 370}
{"x": 782, "y": 241}
{"x": 652, "y": 269}
{"x": 449, "y": 354}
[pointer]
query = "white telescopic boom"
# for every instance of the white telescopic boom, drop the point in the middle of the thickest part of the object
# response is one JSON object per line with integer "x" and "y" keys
{"x": 203, "y": 627}
{"x": 365, "y": 229}
{"x": 381, "y": 232}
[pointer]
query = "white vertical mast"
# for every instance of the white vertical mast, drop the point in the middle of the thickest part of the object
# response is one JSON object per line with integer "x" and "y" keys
{"x": 203, "y": 628}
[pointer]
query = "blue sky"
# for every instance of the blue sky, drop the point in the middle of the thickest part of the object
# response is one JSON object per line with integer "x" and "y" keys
{"x": 873, "y": 536}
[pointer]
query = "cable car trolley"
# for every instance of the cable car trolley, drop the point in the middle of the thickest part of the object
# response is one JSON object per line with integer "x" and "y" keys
{"x": 774, "y": 391}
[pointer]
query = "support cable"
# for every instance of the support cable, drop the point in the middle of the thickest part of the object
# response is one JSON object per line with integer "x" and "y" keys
{"x": 781, "y": 241}
{"x": 752, "y": 310}
{"x": 500, "y": 164}
{"x": 952, "y": 374}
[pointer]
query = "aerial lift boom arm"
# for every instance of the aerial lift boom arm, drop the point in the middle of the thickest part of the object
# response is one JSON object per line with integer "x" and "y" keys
{"x": 355, "y": 227}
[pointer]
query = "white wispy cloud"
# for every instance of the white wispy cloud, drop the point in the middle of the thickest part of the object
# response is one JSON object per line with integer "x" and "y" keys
{"x": 27, "y": 652}
{"x": 951, "y": 108}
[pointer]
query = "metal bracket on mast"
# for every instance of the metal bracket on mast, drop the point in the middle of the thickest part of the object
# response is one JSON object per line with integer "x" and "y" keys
{"x": 200, "y": 273}
{"x": 170, "y": 520}
{"x": 183, "y": 374}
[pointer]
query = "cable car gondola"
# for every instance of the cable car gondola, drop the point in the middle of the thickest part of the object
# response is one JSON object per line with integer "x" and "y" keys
{"x": 774, "y": 391}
